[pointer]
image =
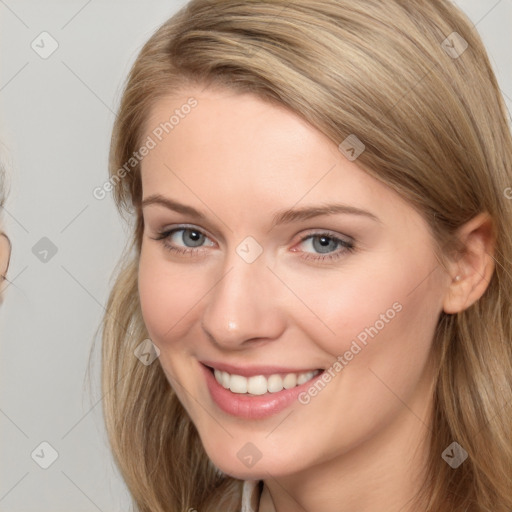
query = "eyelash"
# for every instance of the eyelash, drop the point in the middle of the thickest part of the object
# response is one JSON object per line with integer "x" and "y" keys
{"x": 348, "y": 246}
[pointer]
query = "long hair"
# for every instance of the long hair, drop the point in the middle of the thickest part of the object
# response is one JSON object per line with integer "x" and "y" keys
{"x": 411, "y": 79}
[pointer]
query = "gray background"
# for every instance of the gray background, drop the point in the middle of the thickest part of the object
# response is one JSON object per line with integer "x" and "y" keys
{"x": 56, "y": 117}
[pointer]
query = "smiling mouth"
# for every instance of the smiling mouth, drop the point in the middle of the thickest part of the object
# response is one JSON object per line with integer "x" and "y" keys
{"x": 261, "y": 384}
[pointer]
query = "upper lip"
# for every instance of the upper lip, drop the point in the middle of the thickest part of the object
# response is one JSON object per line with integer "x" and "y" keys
{"x": 251, "y": 371}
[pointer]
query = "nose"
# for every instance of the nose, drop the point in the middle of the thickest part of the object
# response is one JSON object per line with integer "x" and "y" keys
{"x": 245, "y": 305}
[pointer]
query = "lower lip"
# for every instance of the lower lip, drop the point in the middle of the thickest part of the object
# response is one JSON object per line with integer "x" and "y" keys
{"x": 251, "y": 406}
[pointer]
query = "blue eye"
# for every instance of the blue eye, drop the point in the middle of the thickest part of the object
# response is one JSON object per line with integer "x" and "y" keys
{"x": 189, "y": 235}
{"x": 329, "y": 247}
{"x": 326, "y": 244}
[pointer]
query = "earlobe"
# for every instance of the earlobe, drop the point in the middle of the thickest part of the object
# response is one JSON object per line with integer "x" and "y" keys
{"x": 473, "y": 270}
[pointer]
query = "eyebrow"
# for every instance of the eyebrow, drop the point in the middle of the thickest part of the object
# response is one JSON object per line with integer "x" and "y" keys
{"x": 280, "y": 217}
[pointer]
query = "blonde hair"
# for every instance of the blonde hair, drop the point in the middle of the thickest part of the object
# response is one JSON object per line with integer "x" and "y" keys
{"x": 436, "y": 130}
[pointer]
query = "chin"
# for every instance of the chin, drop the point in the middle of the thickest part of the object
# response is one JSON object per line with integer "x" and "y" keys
{"x": 249, "y": 464}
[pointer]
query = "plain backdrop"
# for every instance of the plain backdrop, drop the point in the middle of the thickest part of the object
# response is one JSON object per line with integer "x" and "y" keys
{"x": 56, "y": 115}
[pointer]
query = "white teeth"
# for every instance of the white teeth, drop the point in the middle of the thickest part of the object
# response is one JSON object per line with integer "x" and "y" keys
{"x": 259, "y": 384}
{"x": 225, "y": 379}
{"x": 290, "y": 381}
{"x": 238, "y": 384}
{"x": 303, "y": 377}
{"x": 274, "y": 383}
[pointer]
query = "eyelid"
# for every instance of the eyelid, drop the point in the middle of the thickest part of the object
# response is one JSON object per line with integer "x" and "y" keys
{"x": 161, "y": 224}
{"x": 328, "y": 232}
{"x": 179, "y": 227}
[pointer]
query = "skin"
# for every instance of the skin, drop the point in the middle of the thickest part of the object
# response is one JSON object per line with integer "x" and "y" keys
{"x": 5, "y": 255}
{"x": 238, "y": 160}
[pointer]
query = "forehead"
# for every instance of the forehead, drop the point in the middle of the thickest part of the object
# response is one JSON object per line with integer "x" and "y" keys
{"x": 256, "y": 153}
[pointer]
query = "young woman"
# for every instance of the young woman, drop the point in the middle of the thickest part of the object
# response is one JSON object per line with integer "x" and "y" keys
{"x": 315, "y": 311}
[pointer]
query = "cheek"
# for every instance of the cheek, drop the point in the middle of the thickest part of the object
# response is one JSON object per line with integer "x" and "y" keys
{"x": 342, "y": 306}
{"x": 383, "y": 358}
{"x": 389, "y": 338}
{"x": 168, "y": 295}
{"x": 379, "y": 314}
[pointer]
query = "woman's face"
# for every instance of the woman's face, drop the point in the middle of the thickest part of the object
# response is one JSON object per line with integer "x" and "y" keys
{"x": 240, "y": 286}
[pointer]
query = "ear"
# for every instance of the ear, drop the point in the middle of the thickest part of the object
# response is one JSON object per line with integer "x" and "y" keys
{"x": 474, "y": 267}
